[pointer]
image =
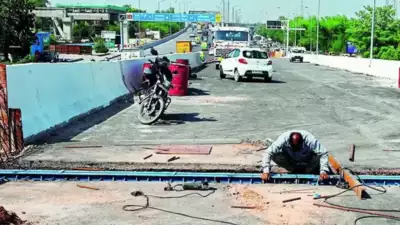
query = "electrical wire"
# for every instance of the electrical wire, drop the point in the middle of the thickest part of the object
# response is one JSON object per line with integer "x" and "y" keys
{"x": 380, "y": 189}
{"x": 133, "y": 208}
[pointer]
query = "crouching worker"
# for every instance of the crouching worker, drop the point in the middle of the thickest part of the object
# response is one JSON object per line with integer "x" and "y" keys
{"x": 297, "y": 152}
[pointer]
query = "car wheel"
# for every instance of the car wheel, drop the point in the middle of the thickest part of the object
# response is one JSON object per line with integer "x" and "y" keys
{"x": 237, "y": 76}
{"x": 267, "y": 78}
{"x": 301, "y": 60}
{"x": 221, "y": 73}
{"x": 249, "y": 78}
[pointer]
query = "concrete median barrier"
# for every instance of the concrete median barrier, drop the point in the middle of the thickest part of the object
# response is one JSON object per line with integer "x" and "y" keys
{"x": 53, "y": 94}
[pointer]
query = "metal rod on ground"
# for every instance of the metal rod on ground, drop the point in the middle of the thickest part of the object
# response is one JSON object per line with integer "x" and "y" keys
{"x": 296, "y": 190}
{"x": 148, "y": 156}
{"x": 357, "y": 210}
{"x": 291, "y": 200}
{"x": 389, "y": 150}
{"x": 87, "y": 187}
{"x": 242, "y": 207}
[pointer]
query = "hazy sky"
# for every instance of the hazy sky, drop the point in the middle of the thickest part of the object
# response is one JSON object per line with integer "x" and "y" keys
{"x": 251, "y": 10}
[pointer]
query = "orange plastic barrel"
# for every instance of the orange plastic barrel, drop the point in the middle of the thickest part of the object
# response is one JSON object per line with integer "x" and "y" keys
{"x": 185, "y": 62}
{"x": 180, "y": 79}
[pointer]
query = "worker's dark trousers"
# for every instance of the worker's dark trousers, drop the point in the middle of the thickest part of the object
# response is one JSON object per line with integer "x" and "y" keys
{"x": 310, "y": 167}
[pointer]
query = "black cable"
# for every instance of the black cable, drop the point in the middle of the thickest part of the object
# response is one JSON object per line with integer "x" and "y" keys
{"x": 380, "y": 189}
{"x": 147, "y": 205}
{"x": 377, "y": 217}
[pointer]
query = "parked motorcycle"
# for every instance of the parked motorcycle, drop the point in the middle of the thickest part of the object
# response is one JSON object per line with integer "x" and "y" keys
{"x": 154, "y": 99}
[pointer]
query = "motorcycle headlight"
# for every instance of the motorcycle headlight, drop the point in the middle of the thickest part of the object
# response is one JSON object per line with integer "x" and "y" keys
{"x": 147, "y": 71}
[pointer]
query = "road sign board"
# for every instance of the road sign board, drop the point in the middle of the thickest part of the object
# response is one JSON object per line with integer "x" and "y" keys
{"x": 218, "y": 18}
{"x": 172, "y": 17}
{"x": 276, "y": 24}
{"x": 106, "y": 34}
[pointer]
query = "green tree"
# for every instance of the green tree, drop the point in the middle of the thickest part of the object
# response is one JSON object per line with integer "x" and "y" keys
{"x": 16, "y": 23}
{"x": 83, "y": 29}
{"x": 386, "y": 30}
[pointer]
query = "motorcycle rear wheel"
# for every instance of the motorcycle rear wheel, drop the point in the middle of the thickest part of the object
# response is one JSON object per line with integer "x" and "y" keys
{"x": 155, "y": 110}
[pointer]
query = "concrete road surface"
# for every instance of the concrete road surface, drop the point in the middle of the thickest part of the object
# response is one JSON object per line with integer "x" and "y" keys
{"x": 338, "y": 107}
{"x": 63, "y": 203}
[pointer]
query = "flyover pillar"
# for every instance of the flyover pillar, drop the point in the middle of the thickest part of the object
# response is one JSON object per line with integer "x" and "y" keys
{"x": 68, "y": 25}
{"x": 125, "y": 33}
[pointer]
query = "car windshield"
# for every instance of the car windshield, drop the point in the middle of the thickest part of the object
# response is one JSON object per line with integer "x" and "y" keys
{"x": 255, "y": 54}
{"x": 297, "y": 51}
{"x": 232, "y": 36}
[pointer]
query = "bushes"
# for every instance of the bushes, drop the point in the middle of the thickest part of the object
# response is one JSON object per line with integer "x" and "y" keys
{"x": 100, "y": 46}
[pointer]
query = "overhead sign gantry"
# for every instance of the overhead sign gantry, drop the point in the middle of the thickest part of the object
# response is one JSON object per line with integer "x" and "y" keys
{"x": 164, "y": 17}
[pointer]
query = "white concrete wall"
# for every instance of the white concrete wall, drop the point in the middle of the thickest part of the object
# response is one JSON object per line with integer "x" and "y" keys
{"x": 380, "y": 68}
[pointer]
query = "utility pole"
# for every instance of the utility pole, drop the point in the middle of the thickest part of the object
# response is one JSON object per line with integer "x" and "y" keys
{"x": 319, "y": 9}
{"x": 287, "y": 37}
{"x": 371, "y": 54}
{"x": 223, "y": 12}
{"x": 139, "y": 23}
{"x": 302, "y": 8}
{"x": 233, "y": 14}
{"x": 228, "y": 11}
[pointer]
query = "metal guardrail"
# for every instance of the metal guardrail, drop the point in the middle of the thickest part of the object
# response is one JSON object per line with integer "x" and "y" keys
{"x": 142, "y": 176}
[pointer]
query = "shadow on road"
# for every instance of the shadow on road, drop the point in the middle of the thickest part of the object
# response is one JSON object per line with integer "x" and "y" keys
{"x": 181, "y": 118}
{"x": 195, "y": 91}
{"x": 260, "y": 80}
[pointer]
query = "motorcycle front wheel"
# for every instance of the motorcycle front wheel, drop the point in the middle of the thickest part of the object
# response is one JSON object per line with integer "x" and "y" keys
{"x": 151, "y": 110}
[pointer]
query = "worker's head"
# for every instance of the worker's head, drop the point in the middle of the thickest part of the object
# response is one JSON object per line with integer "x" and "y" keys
{"x": 296, "y": 141}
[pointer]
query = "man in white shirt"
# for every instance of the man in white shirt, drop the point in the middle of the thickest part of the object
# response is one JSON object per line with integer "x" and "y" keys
{"x": 298, "y": 152}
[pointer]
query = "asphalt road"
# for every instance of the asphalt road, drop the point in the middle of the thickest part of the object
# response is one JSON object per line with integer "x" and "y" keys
{"x": 338, "y": 107}
{"x": 169, "y": 47}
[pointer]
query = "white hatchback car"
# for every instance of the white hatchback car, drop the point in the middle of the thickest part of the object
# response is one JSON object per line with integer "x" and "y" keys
{"x": 247, "y": 62}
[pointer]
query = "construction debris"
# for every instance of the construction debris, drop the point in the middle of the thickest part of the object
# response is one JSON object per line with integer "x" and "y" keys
{"x": 10, "y": 218}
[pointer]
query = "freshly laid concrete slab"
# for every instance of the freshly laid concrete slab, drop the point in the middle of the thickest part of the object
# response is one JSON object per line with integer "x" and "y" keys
{"x": 236, "y": 157}
{"x": 63, "y": 203}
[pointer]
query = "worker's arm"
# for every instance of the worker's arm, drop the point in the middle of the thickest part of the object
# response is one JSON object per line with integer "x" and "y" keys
{"x": 274, "y": 148}
{"x": 321, "y": 151}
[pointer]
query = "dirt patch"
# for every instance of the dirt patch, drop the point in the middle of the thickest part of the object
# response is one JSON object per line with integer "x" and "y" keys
{"x": 10, "y": 218}
{"x": 267, "y": 201}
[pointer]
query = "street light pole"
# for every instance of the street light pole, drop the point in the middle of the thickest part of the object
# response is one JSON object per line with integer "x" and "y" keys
{"x": 371, "y": 54}
{"x": 223, "y": 12}
{"x": 319, "y": 8}
{"x": 139, "y": 23}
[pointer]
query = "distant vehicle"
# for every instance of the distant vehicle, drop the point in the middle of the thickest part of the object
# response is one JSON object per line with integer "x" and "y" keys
{"x": 296, "y": 54}
{"x": 192, "y": 35}
{"x": 247, "y": 62}
{"x": 225, "y": 39}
